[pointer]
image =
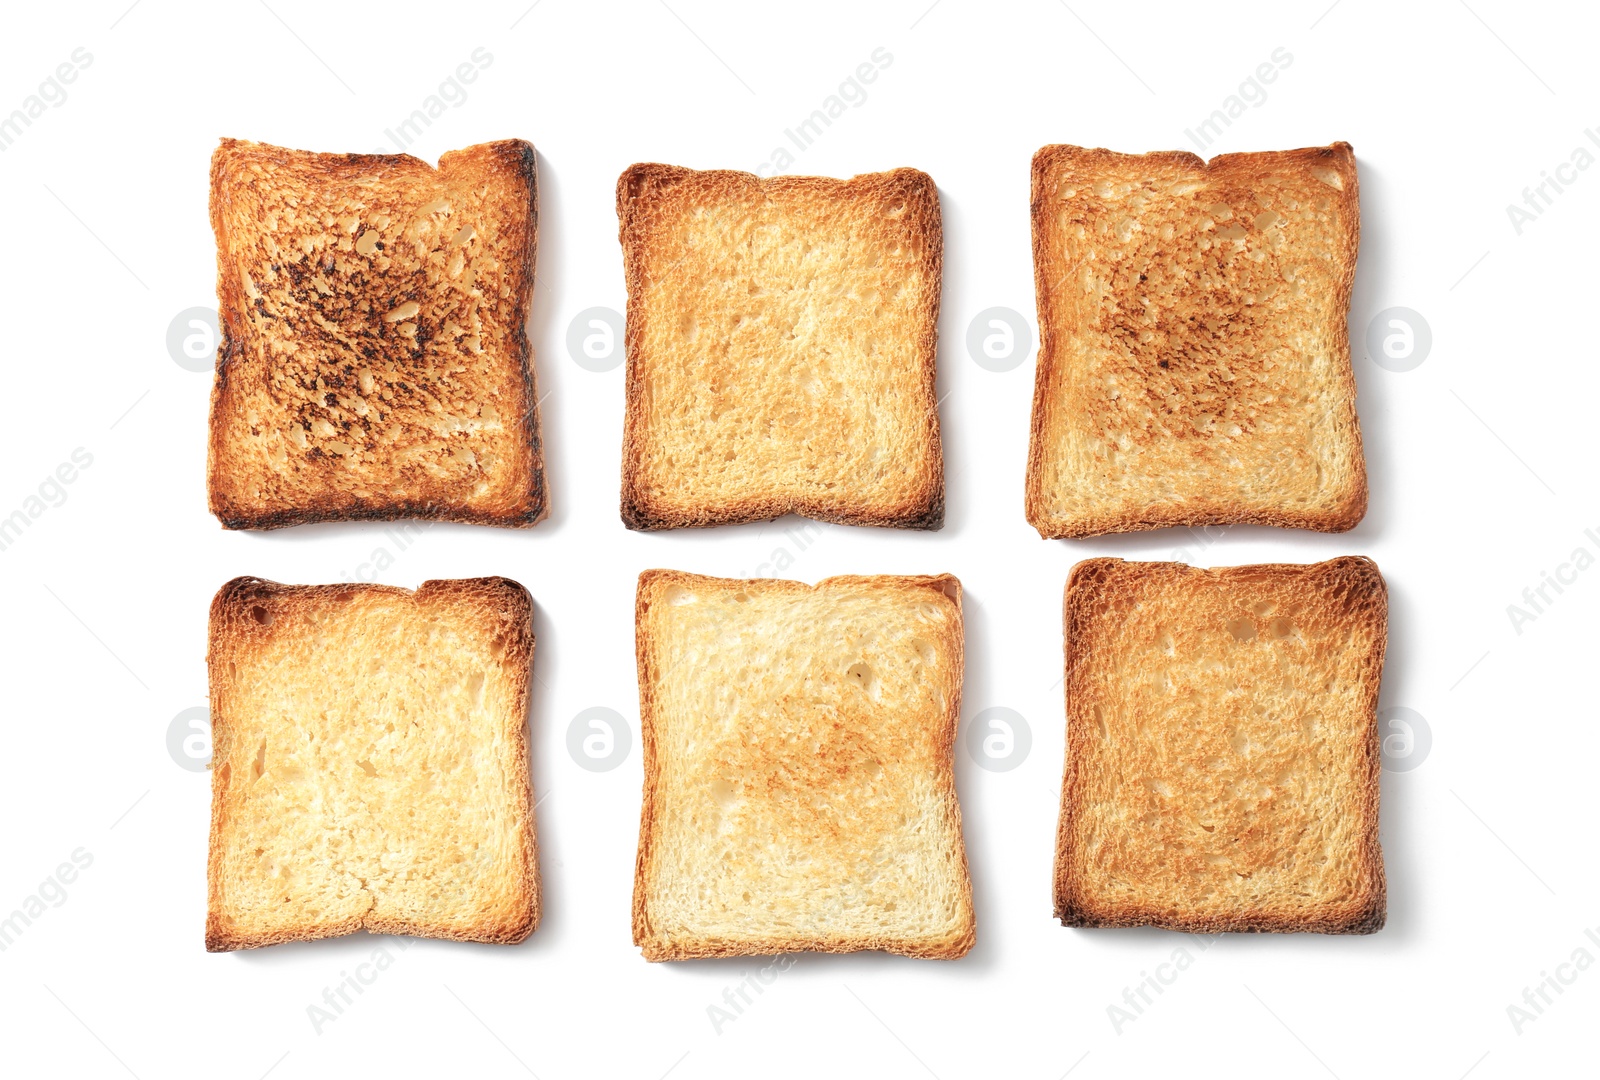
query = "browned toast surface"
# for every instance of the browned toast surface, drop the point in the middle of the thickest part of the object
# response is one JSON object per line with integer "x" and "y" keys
{"x": 799, "y": 787}
{"x": 1194, "y": 361}
{"x": 370, "y": 764}
{"x": 374, "y": 360}
{"x": 1222, "y": 747}
{"x": 781, "y": 340}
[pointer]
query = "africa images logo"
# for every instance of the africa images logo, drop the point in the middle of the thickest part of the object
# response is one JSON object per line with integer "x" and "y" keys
{"x": 1548, "y": 990}
{"x": 1537, "y": 198}
{"x": 1538, "y": 598}
{"x": 851, "y": 93}
{"x": 51, "y": 92}
{"x": 51, "y": 891}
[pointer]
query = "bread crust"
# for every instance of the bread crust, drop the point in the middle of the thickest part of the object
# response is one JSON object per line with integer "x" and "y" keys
{"x": 233, "y": 623}
{"x": 1094, "y": 584}
{"x": 640, "y": 190}
{"x": 233, "y": 486}
{"x": 1340, "y": 513}
{"x": 655, "y": 946}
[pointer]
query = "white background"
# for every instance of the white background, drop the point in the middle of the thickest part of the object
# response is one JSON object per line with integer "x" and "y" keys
{"x": 1481, "y": 463}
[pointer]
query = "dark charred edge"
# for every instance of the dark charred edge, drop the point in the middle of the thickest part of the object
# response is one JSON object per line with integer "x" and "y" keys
{"x": 1367, "y": 922}
{"x": 234, "y": 587}
{"x": 1321, "y": 523}
{"x": 522, "y": 158}
{"x": 280, "y": 519}
{"x": 1072, "y": 915}
{"x": 219, "y": 941}
{"x": 521, "y": 155}
{"x": 638, "y": 519}
{"x": 538, "y": 491}
{"x": 1372, "y": 920}
{"x": 518, "y": 594}
{"x": 929, "y": 518}
{"x": 537, "y": 494}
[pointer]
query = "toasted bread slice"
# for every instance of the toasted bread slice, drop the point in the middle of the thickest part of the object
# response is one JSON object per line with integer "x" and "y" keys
{"x": 1194, "y": 365}
{"x": 799, "y": 791}
{"x": 780, "y": 346}
{"x": 1222, "y": 747}
{"x": 370, "y": 762}
{"x": 374, "y": 360}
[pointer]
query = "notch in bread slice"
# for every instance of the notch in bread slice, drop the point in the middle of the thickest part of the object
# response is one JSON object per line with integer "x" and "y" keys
{"x": 1222, "y": 747}
{"x": 374, "y": 360}
{"x": 799, "y": 790}
{"x": 781, "y": 338}
{"x": 370, "y": 762}
{"x": 1194, "y": 361}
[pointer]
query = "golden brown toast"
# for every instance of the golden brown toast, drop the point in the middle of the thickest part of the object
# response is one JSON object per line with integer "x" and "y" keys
{"x": 1194, "y": 360}
{"x": 374, "y": 359}
{"x": 780, "y": 340}
{"x": 1222, "y": 747}
{"x": 799, "y": 788}
{"x": 370, "y": 765}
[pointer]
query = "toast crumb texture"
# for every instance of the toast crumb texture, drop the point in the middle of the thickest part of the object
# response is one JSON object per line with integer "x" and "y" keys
{"x": 799, "y": 790}
{"x": 374, "y": 361}
{"x": 370, "y": 762}
{"x": 1222, "y": 747}
{"x": 780, "y": 340}
{"x": 1194, "y": 365}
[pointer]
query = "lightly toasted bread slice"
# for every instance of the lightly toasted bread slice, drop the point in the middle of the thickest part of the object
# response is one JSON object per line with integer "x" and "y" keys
{"x": 1194, "y": 361}
{"x": 780, "y": 346}
{"x": 799, "y": 791}
{"x": 374, "y": 360}
{"x": 1222, "y": 747}
{"x": 370, "y": 762}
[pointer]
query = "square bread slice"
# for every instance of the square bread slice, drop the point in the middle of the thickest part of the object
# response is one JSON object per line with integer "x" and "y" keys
{"x": 374, "y": 359}
{"x": 799, "y": 790}
{"x": 1194, "y": 361}
{"x": 1222, "y": 747}
{"x": 780, "y": 345}
{"x": 370, "y": 762}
